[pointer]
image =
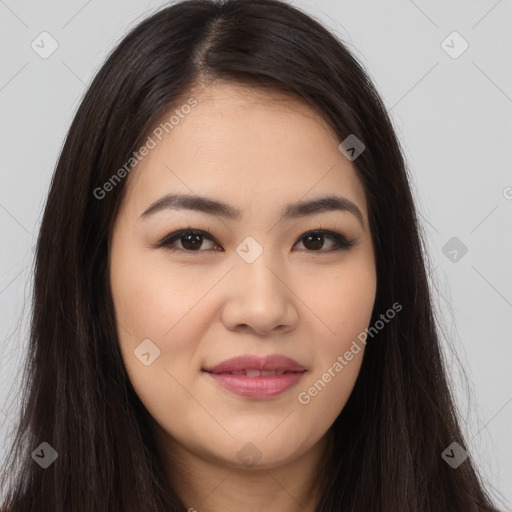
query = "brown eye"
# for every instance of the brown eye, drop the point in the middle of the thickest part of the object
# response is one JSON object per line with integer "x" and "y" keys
{"x": 191, "y": 240}
{"x": 314, "y": 241}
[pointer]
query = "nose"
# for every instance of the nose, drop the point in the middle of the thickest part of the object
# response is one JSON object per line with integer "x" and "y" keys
{"x": 260, "y": 298}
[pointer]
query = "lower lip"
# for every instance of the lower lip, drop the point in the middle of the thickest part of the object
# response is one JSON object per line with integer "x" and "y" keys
{"x": 257, "y": 387}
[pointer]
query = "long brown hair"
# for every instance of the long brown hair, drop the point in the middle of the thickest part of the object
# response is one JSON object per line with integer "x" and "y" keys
{"x": 388, "y": 439}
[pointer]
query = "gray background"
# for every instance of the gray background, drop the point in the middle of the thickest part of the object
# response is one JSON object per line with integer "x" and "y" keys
{"x": 453, "y": 117}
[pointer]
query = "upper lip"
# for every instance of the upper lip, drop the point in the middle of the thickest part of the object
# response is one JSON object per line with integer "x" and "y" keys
{"x": 251, "y": 362}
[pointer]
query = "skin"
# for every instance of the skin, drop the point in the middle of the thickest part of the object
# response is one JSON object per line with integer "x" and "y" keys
{"x": 257, "y": 151}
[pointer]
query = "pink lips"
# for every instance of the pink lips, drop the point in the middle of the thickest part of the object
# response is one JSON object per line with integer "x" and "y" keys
{"x": 277, "y": 373}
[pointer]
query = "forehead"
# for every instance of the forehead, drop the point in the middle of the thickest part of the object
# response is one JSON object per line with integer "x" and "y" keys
{"x": 246, "y": 146}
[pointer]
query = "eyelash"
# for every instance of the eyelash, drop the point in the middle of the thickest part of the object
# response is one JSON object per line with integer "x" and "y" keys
{"x": 341, "y": 242}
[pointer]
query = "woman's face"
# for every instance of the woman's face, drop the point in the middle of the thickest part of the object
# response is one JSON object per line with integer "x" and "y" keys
{"x": 251, "y": 283}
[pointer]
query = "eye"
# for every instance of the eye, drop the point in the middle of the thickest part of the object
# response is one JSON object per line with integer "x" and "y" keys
{"x": 315, "y": 240}
{"x": 192, "y": 239}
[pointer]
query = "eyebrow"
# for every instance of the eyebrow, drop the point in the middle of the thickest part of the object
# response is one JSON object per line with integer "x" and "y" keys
{"x": 218, "y": 208}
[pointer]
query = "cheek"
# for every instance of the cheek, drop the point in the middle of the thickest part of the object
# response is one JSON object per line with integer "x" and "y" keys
{"x": 345, "y": 308}
{"x": 344, "y": 304}
{"x": 321, "y": 398}
{"x": 152, "y": 304}
{"x": 154, "y": 300}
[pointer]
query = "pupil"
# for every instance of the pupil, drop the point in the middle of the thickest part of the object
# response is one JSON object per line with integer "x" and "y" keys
{"x": 196, "y": 241}
{"x": 319, "y": 241}
{"x": 193, "y": 241}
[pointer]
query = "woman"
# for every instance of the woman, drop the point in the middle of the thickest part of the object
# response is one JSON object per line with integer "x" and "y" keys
{"x": 231, "y": 308}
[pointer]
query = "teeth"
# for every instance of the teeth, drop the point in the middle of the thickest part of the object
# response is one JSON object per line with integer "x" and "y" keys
{"x": 270, "y": 373}
{"x": 258, "y": 373}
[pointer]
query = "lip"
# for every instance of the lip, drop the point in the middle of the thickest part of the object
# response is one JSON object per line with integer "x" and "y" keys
{"x": 271, "y": 362}
{"x": 262, "y": 387}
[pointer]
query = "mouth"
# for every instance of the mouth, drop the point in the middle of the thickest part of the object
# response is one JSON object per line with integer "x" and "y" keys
{"x": 258, "y": 387}
{"x": 257, "y": 377}
{"x": 254, "y": 372}
{"x": 252, "y": 363}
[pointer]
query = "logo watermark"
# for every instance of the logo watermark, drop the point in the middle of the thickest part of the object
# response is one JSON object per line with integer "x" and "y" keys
{"x": 304, "y": 397}
{"x": 143, "y": 151}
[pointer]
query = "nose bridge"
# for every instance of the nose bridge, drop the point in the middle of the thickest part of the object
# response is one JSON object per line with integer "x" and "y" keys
{"x": 259, "y": 268}
{"x": 259, "y": 298}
